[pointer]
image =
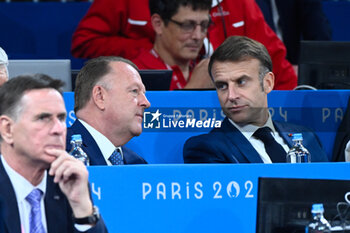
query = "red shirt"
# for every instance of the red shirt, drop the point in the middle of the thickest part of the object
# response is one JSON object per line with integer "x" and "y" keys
{"x": 113, "y": 27}
{"x": 122, "y": 28}
{"x": 150, "y": 60}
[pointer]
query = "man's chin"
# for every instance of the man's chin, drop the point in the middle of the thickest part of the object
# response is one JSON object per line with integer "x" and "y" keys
{"x": 137, "y": 132}
{"x": 239, "y": 118}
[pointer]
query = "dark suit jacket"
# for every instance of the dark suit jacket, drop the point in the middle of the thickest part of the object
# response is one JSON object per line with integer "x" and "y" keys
{"x": 57, "y": 209}
{"x": 93, "y": 151}
{"x": 299, "y": 20}
{"x": 228, "y": 145}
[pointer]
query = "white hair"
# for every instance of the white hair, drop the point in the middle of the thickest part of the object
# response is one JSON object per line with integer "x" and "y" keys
{"x": 4, "y": 61}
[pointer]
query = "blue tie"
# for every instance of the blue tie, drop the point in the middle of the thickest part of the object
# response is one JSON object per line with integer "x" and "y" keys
{"x": 116, "y": 157}
{"x": 35, "y": 224}
{"x": 273, "y": 148}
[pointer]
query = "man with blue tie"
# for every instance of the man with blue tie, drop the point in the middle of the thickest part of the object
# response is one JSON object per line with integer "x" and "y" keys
{"x": 241, "y": 71}
{"x": 109, "y": 104}
{"x": 43, "y": 188}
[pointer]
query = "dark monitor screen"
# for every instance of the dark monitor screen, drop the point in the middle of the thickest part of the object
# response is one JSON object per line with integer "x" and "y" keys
{"x": 152, "y": 79}
{"x": 156, "y": 80}
{"x": 324, "y": 64}
{"x": 284, "y": 205}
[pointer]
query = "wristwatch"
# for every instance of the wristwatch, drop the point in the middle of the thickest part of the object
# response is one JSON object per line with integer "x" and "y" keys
{"x": 91, "y": 219}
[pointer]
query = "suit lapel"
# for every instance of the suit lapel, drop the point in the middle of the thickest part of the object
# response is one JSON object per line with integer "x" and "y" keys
{"x": 56, "y": 209}
{"x": 89, "y": 144}
{"x": 284, "y": 133}
{"x": 240, "y": 142}
{"x": 7, "y": 194}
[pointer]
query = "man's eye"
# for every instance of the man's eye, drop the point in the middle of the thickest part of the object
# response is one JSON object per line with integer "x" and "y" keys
{"x": 188, "y": 25}
{"x": 43, "y": 118}
{"x": 241, "y": 82}
{"x": 62, "y": 117}
{"x": 135, "y": 91}
{"x": 221, "y": 86}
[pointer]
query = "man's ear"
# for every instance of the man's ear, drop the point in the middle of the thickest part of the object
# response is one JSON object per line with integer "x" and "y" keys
{"x": 268, "y": 82}
{"x": 157, "y": 23}
{"x": 99, "y": 96}
{"x": 6, "y": 129}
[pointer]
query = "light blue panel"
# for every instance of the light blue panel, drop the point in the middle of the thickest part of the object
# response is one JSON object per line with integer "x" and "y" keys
{"x": 320, "y": 110}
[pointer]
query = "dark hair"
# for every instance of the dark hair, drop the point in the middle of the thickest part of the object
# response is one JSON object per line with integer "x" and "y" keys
{"x": 168, "y": 8}
{"x": 12, "y": 91}
{"x": 92, "y": 72}
{"x": 240, "y": 48}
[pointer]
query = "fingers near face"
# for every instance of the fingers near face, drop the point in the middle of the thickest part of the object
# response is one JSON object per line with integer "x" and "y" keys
{"x": 66, "y": 168}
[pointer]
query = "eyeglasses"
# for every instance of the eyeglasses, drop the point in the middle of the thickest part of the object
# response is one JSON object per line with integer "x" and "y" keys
{"x": 190, "y": 25}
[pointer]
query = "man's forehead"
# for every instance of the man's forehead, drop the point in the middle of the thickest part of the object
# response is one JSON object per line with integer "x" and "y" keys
{"x": 188, "y": 12}
{"x": 43, "y": 97}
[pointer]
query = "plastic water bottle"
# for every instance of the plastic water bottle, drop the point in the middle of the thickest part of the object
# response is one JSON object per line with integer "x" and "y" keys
{"x": 76, "y": 151}
{"x": 298, "y": 153}
{"x": 318, "y": 224}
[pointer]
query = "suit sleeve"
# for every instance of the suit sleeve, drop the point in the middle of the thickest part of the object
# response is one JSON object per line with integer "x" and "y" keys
{"x": 100, "y": 227}
{"x": 104, "y": 31}
{"x": 202, "y": 149}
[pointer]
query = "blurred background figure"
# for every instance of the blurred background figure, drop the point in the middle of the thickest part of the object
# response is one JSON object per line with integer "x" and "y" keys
{"x": 4, "y": 74}
{"x": 180, "y": 27}
{"x": 295, "y": 20}
{"x": 116, "y": 27}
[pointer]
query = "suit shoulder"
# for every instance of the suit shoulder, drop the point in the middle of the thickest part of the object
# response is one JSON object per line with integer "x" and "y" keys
{"x": 291, "y": 126}
{"x": 131, "y": 157}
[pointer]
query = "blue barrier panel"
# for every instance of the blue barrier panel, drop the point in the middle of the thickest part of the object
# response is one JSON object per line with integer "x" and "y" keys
{"x": 191, "y": 198}
{"x": 163, "y": 138}
{"x": 338, "y": 15}
{"x": 40, "y": 30}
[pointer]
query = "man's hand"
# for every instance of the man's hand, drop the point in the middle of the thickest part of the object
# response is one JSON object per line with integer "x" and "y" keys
{"x": 72, "y": 177}
{"x": 200, "y": 76}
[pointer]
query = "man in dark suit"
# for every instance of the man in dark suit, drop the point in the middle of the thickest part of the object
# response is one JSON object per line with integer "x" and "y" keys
{"x": 43, "y": 189}
{"x": 109, "y": 104}
{"x": 295, "y": 20}
{"x": 241, "y": 71}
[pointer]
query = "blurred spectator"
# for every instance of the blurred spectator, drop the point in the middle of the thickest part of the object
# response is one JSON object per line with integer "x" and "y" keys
{"x": 4, "y": 74}
{"x": 113, "y": 27}
{"x": 180, "y": 27}
{"x": 295, "y": 20}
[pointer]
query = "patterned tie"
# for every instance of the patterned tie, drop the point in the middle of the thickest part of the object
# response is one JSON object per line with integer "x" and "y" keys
{"x": 116, "y": 157}
{"x": 35, "y": 224}
{"x": 273, "y": 149}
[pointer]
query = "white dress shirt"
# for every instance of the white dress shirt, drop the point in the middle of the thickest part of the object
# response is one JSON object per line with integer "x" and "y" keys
{"x": 248, "y": 131}
{"x": 105, "y": 145}
{"x": 347, "y": 152}
{"x": 22, "y": 189}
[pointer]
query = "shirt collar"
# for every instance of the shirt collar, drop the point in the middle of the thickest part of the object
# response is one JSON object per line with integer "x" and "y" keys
{"x": 105, "y": 145}
{"x": 248, "y": 130}
{"x": 20, "y": 184}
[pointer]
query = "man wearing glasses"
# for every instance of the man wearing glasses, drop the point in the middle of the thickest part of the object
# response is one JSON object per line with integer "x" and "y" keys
{"x": 180, "y": 28}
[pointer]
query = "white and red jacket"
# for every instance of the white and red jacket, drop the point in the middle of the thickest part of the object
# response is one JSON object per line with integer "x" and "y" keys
{"x": 122, "y": 28}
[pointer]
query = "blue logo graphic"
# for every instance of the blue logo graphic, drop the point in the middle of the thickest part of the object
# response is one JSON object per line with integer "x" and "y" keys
{"x": 151, "y": 120}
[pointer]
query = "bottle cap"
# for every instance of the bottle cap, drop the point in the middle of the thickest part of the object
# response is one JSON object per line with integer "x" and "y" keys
{"x": 297, "y": 137}
{"x": 76, "y": 137}
{"x": 317, "y": 208}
